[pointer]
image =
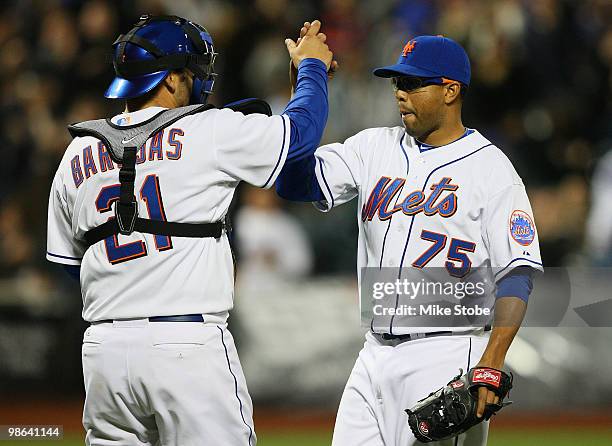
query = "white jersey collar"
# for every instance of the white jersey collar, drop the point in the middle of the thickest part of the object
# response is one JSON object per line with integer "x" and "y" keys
{"x": 137, "y": 116}
{"x": 472, "y": 141}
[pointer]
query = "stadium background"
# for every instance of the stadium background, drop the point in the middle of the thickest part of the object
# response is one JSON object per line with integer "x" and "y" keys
{"x": 541, "y": 90}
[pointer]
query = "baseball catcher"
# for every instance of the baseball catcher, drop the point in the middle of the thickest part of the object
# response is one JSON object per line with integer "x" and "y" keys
{"x": 137, "y": 210}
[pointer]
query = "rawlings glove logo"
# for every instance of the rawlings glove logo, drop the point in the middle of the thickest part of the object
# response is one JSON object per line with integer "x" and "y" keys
{"x": 424, "y": 427}
{"x": 457, "y": 384}
{"x": 487, "y": 376}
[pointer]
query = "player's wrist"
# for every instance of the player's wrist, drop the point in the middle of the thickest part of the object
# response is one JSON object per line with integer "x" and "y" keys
{"x": 492, "y": 360}
{"x": 312, "y": 62}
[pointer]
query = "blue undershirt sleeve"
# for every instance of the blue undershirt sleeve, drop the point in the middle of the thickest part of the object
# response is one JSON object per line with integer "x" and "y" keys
{"x": 73, "y": 271}
{"x": 307, "y": 111}
{"x": 297, "y": 181}
{"x": 517, "y": 283}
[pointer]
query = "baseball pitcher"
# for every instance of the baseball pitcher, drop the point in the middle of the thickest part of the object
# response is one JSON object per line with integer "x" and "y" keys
{"x": 432, "y": 194}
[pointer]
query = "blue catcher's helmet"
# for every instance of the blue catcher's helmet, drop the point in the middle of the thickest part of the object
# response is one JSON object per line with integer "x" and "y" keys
{"x": 156, "y": 45}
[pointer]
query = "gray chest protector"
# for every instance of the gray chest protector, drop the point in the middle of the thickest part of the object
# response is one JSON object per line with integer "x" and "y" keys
{"x": 122, "y": 144}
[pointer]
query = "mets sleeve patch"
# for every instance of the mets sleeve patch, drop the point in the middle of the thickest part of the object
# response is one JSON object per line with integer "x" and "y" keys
{"x": 522, "y": 228}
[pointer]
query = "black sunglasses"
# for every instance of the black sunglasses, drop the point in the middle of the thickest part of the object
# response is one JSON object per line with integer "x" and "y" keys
{"x": 410, "y": 83}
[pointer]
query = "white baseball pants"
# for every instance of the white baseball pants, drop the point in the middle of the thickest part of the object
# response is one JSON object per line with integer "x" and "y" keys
{"x": 164, "y": 383}
{"x": 388, "y": 379}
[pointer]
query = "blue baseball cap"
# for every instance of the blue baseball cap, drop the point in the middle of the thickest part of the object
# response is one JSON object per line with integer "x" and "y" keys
{"x": 430, "y": 56}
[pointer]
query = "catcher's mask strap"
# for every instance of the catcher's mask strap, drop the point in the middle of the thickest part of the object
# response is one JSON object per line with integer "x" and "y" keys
{"x": 133, "y": 68}
{"x": 162, "y": 61}
{"x": 140, "y": 41}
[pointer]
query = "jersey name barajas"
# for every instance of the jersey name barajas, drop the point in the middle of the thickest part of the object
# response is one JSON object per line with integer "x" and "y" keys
{"x": 186, "y": 173}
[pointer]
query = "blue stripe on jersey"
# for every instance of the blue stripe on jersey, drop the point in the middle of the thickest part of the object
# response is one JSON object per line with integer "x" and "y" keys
{"x": 469, "y": 357}
{"x": 235, "y": 386}
{"x": 404, "y": 152}
{"x": 382, "y": 253}
{"x": 516, "y": 260}
{"x": 63, "y": 257}
{"x": 399, "y": 276}
{"x": 424, "y": 147}
{"x": 280, "y": 155}
{"x": 325, "y": 181}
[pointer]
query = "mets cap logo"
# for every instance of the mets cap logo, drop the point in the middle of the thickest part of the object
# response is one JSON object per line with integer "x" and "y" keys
{"x": 408, "y": 47}
{"x": 522, "y": 228}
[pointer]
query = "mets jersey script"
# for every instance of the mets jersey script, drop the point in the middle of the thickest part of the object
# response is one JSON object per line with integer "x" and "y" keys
{"x": 457, "y": 207}
{"x": 186, "y": 173}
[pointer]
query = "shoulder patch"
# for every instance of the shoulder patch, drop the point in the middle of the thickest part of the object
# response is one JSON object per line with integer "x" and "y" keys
{"x": 522, "y": 228}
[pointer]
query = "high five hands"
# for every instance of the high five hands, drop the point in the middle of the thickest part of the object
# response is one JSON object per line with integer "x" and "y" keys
{"x": 310, "y": 44}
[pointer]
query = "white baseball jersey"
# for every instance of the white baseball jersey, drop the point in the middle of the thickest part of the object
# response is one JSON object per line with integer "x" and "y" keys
{"x": 458, "y": 206}
{"x": 186, "y": 173}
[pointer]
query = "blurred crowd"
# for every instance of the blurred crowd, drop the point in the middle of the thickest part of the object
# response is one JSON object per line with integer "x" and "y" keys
{"x": 541, "y": 90}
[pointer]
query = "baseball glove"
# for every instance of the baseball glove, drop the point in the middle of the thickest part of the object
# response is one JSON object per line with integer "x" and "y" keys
{"x": 451, "y": 410}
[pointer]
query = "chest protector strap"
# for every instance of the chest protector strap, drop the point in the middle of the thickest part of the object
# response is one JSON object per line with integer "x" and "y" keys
{"x": 122, "y": 142}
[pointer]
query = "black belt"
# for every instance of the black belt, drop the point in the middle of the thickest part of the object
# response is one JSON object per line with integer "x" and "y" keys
{"x": 178, "y": 318}
{"x": 408, "y": 337}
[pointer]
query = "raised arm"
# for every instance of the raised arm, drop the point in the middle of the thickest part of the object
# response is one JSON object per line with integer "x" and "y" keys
{"x": 246, "y": 144}
{"x": 297, "y": 180}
